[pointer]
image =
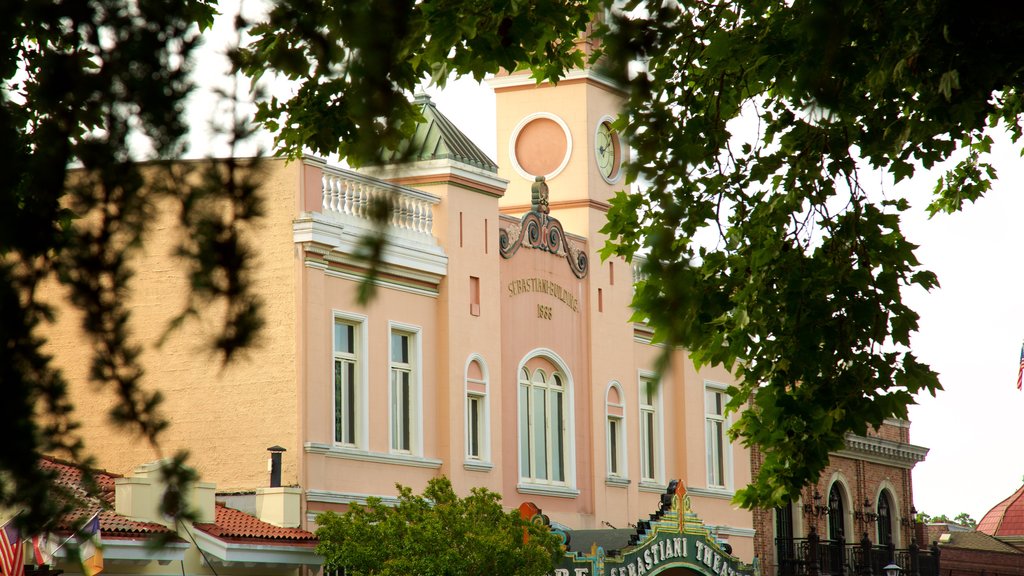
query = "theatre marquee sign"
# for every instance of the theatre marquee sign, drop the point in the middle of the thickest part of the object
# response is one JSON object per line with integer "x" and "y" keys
{"x": 673, "y": 538}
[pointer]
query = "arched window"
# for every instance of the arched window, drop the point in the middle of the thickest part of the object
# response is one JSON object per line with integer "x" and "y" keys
{"x": 836, "y": 514}
{"x": 615, "y": 414}
{"x": 477, "y": 412}
{"x": 544, "y": 428}
{"x": 884, "y": 511}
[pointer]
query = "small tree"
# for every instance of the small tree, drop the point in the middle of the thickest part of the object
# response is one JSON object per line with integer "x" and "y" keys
{"x": 435, "y": 533}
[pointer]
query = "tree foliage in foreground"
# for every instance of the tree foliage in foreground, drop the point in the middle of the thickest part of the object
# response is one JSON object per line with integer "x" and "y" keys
{"x": 436, "y": 533}
{"x": 90, "y": 89}
{"x": 762, "y": 251}
{"x": 754, "y": 125}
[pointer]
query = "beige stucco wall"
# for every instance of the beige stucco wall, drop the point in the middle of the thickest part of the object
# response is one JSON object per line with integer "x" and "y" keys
{"x": 225, "y": 416}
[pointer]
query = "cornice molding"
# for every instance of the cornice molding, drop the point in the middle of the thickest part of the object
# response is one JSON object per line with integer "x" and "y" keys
{"x": 882, "y": 451}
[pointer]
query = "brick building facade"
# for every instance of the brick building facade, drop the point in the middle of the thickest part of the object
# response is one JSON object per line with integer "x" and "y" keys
{"x": 859, "y": 512}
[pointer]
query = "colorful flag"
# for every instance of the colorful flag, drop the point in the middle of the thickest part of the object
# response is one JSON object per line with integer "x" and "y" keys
{"x": 1020, "y": 371}
{"x": 90, "y": 547}
{"x": 44, "y": 546}
{"x": 12, "y": 551}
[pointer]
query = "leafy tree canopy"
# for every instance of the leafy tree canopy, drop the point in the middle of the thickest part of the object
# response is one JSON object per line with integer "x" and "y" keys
{"x": 762, "y": 250}
{"x": 436, "y": 533}
{"x": 963, "y": 519}
{"x": 798, "y": 287}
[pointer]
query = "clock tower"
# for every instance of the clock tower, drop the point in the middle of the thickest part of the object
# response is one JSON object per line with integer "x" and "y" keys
{"x": 564, "y": 133}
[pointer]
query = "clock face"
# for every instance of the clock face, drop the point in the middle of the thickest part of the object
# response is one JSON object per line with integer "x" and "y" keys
{"x": 606, "y": 151}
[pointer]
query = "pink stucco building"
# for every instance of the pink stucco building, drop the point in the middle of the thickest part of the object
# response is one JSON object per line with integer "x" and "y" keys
{"x": 498, "y": 349}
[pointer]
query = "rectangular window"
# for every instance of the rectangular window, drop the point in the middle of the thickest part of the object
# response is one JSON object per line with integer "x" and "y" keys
{"x": 648, "y": 430}
{"x": 614, "y": 432}
{"x": 543, "y": 438}
{"x": 345, "y": 383}
{"x": 402, "y": 393}
{"x": 714, "y": 409}
{"x": 473, "y": 413}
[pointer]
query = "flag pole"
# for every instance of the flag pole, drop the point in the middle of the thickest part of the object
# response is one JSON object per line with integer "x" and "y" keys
{"x": 75, "y": 532}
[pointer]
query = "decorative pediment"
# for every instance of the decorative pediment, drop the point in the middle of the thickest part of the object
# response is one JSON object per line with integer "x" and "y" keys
{"x": 539, "y": 230}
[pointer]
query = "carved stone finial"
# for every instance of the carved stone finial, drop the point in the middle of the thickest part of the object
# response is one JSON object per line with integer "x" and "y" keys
{"x": 540, "y": 195}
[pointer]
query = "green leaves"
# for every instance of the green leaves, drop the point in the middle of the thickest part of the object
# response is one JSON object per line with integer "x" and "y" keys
{"x": 436, "y": 533}
{"x": 357, "y": 63}
{"x": 751, "y": 127}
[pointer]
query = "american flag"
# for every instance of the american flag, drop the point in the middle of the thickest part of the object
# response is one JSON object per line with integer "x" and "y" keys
{"x": 1020, "y": 371}
{"x": 12, "y": 551}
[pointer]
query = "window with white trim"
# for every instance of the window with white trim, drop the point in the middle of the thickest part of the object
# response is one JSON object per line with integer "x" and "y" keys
{"x": 615, "y": 412}
{"x": 715, "y": 400}
{"x": 403, "y": 392}
{"x": 650, "y": 444}
{"x": 347, "y": 391}
{"x": 542, "y": 426}
{"x": 476, "y": 411}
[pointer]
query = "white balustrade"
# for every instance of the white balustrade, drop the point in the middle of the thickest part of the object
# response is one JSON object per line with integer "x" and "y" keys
{"x": 349, "y": 196}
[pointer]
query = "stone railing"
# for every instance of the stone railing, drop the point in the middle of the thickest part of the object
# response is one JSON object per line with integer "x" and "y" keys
{"x": 355, "y": 198}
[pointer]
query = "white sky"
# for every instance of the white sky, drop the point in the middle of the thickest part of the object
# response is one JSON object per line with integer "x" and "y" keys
{"x": 971, "y": 328}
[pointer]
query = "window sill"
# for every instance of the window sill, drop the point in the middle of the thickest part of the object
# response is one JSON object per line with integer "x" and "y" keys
{"x": 478, "y": 465}
{"x": 617, "y": 481}
{"x": 720, "y": 493}
{"x": 367, "y": 456}
{"x": 546, "y": 490}
{"x": 653, "y": 487}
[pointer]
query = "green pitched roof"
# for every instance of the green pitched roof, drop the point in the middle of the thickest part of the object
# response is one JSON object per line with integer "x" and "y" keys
{"x": 438, "y": 138}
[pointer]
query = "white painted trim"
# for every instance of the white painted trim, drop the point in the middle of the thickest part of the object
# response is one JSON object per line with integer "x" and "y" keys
{"x": 515, "y": 134}
{"x": 137, "y": 552}
{"x": 361, "y": 322}
{"x": 334, "y": 497}
{"x": 366, "y": 456}
{"x": 376, "y": 282}
{"x": 620, "y": 481}
{"x": 227, "y": 552}
{"x": 570, "y": 416}
{"x": 896, "y": 509}
{"x": 844, "y": 493}
{"x": 547, "y": 490}
{"x": 416, "y": 413}
{"x": 485, "y": 428}
{"x": 436, "y": 167}
{"x": 882, "y": 451}
{"x": 653, "y": 487}
{"x": 514, "y": 80}
{"x": 732, "y": 531}
{"x": 478, "y": 465}
{"x": 419, "y": 259}
{"x": 623, "y": 474}
{"x": 717, "y": 493}
{"x": 730, "y": 482}
{"x": 618, "y": 169}
{"x": 659, "y": 426}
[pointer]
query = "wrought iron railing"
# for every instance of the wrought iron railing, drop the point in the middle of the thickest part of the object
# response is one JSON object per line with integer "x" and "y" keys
{"x": 813, "y": 556}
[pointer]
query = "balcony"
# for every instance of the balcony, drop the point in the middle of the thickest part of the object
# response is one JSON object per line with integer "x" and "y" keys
{"x": 813, "y": 556}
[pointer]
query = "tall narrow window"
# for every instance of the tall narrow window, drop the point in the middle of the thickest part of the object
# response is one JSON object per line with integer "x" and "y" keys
{"x": 884, "y": 512}
{"x": 542, "y": 423}
{"x": 717, "y": 447}
{"x": 649, "y": 426}
{"x": 402, "y": 393}
{"x": 476, "y": 411}
{"x": 345, "y": 383}
{"x": 615, "y": 412}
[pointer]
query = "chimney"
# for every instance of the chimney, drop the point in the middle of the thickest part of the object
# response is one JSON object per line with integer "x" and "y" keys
{"x": 139, "y": 496}
{"x": 275, "y": 465}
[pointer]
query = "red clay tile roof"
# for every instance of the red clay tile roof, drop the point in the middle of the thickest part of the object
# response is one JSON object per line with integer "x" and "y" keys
{"x": 69, "y": 477}
{"x": 230, "y": 524}
{"x": 1006, "y": 518}
{"x": 234, "y": 525}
